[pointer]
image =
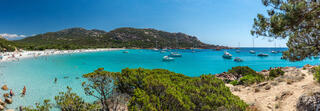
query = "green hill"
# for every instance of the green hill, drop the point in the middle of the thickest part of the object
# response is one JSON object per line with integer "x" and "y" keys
{"x": 6, "y": 45}
{"x": 76, "y": 38}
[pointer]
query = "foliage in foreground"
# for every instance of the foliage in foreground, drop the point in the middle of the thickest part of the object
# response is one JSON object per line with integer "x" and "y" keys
{"x": 160, "y": 89}
{"x": 99, "y": 85}
{"x": 247, "y": 76}
{"x": 296, "y": 19}
{"x": 150, "y": 90}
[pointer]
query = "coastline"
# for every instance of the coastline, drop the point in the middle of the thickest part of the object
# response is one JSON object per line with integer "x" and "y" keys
{"x": 17, "y": 55}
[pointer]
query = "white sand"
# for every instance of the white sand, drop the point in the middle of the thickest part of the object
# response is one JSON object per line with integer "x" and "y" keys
{"x": 15, "y": 56}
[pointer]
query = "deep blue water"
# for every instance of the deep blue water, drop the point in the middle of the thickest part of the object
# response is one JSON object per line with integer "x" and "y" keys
{"x": 38, "y": 74}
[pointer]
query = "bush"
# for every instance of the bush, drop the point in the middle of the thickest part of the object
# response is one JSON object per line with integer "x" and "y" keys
{"x": 275, "y": 73}
{"x": 251, "y": 79}
{"x": 316, "y": 73}
{"x": 241, "y": 71}
{"x": 247, "y": 75}
{"x": 234, "y": 82}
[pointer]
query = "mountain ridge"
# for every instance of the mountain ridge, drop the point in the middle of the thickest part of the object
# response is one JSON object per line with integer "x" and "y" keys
{"x": 75, "y": 38}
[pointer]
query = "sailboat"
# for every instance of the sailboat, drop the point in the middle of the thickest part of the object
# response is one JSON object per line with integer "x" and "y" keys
{"x": 275, "y": 46}
{"x": 238, "y": 51}
{"x": 192, "y": 50}
{"x": 156, "y": 48}
{"x": 252, "y": 51}
{"x": 175, "y": 54}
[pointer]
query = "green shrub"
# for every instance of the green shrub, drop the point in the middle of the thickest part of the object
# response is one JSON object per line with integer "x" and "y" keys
{"x": 234, "y": 82}
{"x": 241, "y": 71}
{"x": 247, "y": 75}
{"x": 316, "y": 73}
{"x": 275, "y": 73}
{"x": 251, "y": 79}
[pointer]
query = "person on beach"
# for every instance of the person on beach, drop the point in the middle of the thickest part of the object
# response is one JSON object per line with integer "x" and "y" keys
{"x": 11, "y": 93}
{"x": 24, "y": 90}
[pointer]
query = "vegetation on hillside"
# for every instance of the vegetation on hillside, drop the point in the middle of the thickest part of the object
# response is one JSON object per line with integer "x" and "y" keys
{"x": 6, "y": 45}
{"x": 296, "y": 19}
{"x": 151, "y": 90}
{"x": 77, "y": 38}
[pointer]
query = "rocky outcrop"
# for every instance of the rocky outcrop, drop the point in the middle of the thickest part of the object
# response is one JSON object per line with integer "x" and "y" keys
{"x": 4, "y": 87}
{"x": 309, "y": 102}
{"x": 226, "y": 77}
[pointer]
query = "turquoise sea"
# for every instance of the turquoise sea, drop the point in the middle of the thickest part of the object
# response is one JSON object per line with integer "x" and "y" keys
{"x": 38, "y": 74}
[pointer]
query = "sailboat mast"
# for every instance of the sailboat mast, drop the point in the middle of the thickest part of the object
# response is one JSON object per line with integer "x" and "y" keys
{"x": 176, "y": 42}
{"x": 252, "y": 42}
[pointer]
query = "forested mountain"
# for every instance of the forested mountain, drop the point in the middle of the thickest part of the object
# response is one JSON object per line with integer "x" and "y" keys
{"x": 75, "y": 38}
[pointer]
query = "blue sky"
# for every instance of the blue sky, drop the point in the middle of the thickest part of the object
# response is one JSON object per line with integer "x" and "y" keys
{"x": 222, "y": 22}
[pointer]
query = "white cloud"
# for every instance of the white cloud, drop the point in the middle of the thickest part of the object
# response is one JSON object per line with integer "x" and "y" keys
{"x": 12, "y": 36}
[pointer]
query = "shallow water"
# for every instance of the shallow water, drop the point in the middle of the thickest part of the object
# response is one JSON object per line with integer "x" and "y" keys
{"x": 38, "y": 74}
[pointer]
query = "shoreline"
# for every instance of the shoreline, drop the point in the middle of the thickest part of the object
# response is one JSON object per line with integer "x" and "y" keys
{"x": 16, "y": 56}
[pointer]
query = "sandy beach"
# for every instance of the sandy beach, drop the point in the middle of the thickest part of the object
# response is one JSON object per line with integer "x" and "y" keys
{"x": 17, "y": 55}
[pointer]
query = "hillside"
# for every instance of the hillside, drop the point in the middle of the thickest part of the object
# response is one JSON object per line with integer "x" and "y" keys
{"x": 6, "y": 45}
{"x": 75, "y": 38}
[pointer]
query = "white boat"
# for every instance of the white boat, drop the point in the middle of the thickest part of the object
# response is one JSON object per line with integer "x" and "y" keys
{"x": 227, "y": 55}
{"x": 155, "y": 49}
{"x": 263, "y": 55}
{"x": 163, "y": 51}
{"x": 274, "y": 52}
{"x": 252, "y": 51}
{"x": 167, "y": 58}
{"x": 175, "y": 54}
{"x": 237, "y": 59}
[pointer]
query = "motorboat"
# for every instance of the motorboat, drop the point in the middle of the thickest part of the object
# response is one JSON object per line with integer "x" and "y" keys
{"x": 125, "y": 51}
{"x": 238, "y": 59}
{"x": 263, "y": 55}
{"x": 175, "y": 54}
{"x": 227, "y": 55}
{"x": 252, "y": 51}
{"x": 167, "y": 58}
